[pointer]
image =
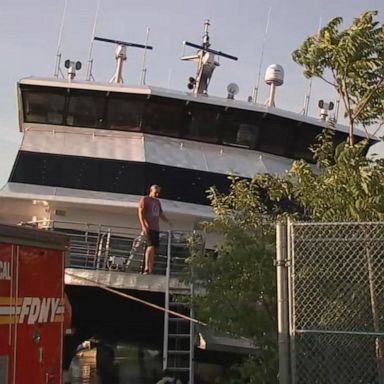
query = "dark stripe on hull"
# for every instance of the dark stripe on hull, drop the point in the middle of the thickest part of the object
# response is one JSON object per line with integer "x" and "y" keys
{"x": 117, "y": 176}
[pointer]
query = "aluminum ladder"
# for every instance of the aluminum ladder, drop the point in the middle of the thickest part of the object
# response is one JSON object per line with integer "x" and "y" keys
{"x": 178, "y": 344}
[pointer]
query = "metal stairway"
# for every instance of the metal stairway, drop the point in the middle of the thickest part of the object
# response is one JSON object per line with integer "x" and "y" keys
{"x": 178, "y": 345}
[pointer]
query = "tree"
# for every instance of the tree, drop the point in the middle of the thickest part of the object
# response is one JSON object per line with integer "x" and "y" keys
{"x": 239, "y": 281}
{"x": 351, "y": 61}
{"x": 346, "y": 186}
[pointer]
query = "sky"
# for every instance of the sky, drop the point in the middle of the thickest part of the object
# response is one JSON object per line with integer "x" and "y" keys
{"x": 30, "y": 29}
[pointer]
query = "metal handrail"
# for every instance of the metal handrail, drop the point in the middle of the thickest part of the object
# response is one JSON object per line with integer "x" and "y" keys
{"x": 118, "y": 248}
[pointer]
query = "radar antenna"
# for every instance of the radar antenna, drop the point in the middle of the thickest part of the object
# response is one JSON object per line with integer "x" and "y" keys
{"x": 255, "y": 91}
{"x": 89, "y": 75}
{"x": 120, "y": 55}
{"x": 144, "y": 67}
{"x": 206, "y": 64}
{"x": 58, "y": 53}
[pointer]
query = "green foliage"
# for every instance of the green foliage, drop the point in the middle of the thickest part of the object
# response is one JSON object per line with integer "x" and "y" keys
{"x": 239, "y": 281}
{"x": 351, "y": 60}
{"x": 347, "y": 186}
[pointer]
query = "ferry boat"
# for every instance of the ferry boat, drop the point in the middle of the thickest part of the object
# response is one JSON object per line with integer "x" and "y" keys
{"x": 90, "y": 150}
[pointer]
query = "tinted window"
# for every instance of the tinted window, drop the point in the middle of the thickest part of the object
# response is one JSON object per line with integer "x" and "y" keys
{"x": 305, "y": 137}
{"x": 276, "y": 135}
{"x": 202, "y": 122}
{"x": 86, "y": 109}
{"x": 170, "y": 117}
{"x": 125, "y": 112}
{"x": 240, "y": 128}
{"x": 116, "y": 176}
{"x": 163, "y": 116}
{"x": 43, "y": 105}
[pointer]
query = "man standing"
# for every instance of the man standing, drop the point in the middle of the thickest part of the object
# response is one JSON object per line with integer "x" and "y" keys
{"x": 149, "y": 213}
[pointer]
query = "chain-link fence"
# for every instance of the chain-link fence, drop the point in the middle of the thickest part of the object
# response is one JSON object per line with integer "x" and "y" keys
{"x": 336, "y": 296}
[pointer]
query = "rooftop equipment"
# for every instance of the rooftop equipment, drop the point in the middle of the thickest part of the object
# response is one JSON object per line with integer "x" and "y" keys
{"x": 206, "y": 64}
{"x": 274, "y": 76}
{"x": 72, "y": 67}
{"x": 120, "y": 55}
{"x": 324, "y": 109}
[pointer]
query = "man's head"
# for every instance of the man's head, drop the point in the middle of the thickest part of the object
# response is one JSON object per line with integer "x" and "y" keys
{"x": 154, "y": 190}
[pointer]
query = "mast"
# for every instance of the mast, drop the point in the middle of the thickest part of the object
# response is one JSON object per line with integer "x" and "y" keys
{"x": 120, "y": 56}
{"x": 206, "y": 64}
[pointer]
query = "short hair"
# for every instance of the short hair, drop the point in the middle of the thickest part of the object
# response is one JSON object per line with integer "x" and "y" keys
{"x": 154, "y": 186}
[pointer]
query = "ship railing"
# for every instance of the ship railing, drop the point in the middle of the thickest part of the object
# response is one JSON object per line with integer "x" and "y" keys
{"x": 121, "y": 249}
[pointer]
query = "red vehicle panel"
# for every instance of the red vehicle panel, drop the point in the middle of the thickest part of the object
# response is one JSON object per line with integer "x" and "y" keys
{"x": 31, "y": 306}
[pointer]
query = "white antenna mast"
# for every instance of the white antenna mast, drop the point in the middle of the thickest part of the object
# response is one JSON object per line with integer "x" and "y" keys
{"x": 308, "y": 95}
{"x": 256, "y": 88}
{"x": 120, "y": 55}
{"x": 337, "y": 108}
{"x": 206, "y": 63}
{"x": 307, "y": 99}
{"x": 58, "y": 53}
{"x": 89, "y": 75}
{"x": 144, "y": 70}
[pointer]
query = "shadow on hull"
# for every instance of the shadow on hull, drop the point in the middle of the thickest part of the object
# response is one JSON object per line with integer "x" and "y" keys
{"x": 128, "y": 335}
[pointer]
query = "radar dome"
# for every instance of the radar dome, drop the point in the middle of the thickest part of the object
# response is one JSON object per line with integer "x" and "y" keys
{"x": 274, "y": 75}
{"x": 233, "y": 88}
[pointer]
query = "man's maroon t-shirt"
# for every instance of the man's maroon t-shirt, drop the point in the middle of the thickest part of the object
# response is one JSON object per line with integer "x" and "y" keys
{"x": 152, "y": 210}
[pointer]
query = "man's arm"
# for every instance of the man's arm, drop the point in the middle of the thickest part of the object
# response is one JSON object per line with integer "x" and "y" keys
{"x": 140, "y": 213}
{"x": 162, "y": 216}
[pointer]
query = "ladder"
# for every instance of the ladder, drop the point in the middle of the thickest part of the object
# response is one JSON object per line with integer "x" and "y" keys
{"x": 102, "y": 249}
{"x": 178, "y": 344}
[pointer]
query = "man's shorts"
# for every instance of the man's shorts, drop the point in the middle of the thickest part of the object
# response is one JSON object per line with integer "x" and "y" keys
{"x": 153, "y": 238}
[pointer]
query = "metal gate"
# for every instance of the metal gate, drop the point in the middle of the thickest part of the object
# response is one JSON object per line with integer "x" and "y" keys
{"x": 335, "y": 303}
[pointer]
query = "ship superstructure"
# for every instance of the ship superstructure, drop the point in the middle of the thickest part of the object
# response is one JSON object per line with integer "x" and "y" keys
{"x": 91, "y": 150}
{"x": 90, "y": 147}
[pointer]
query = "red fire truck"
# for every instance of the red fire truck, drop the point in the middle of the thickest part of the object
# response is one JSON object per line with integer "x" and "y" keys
{"x": 32, "y": 305}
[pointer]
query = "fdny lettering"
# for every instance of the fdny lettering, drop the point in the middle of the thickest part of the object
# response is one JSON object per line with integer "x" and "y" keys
{"x": 38, "y": 310}
{"x": 5, "y": 270}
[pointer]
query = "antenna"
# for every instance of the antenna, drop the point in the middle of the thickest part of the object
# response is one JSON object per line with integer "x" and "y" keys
{"x": 274, "y": 76}
{"x": 337, "y": 108}
{"x": 307, "y": 97}
{"x": 233, "y": 90}
{"x": 58, "y": 53}
{"x": 89, "y": 75}
{"x": 120, "y": 55}
{"x": 324, "y": 109}
{"x": 256, "y": 88}
{"x": 144, "y": 70}
{"x": 206, "y": 64}
{"x": 72, "y": 67}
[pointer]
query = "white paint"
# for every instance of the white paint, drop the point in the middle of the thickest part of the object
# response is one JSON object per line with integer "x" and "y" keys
{"x": 39, "y": 310}
{"x": 5, "y": 270}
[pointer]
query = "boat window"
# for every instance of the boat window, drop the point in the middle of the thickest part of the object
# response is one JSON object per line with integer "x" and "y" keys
{"x": 116, "y": 176}
{"x": 163, "y": 116}
{"x": 86, "y": 109}
{"x": 275, "y": 135}
{"x": 43, "y": 105}
{"x": 202, "y": 122}
{"x": 305, "y": 137}
{"x": 240, "y": 128}
{"x": 171, "y": 117}
{"x": 125, "y": 112}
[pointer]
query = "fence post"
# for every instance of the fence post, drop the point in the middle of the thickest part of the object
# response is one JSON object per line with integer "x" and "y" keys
{"x": 282, "y": 302}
